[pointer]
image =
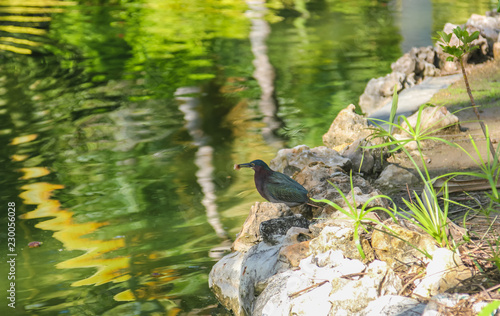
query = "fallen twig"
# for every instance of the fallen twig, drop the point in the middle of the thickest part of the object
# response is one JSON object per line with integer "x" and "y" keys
{"x": 307, "y": 289}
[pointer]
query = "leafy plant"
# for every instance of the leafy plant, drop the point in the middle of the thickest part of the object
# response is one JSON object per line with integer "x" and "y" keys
{"x": 417, "y": 134}
{"x": 427, "y": 212}
{"x": 490, "y": 309}
{"x": 359, "y": 216}
{"x": 430, "y": 216}
{"x": 489, "y": 170}
{"x": 394, "y": 108}
{"x": 495, "y": 253}
{"x": 459, "y": 52}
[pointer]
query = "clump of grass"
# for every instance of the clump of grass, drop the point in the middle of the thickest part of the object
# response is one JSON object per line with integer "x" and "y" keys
{"x": 359, "y": 215}
{"x": 427, "y": 211}
{"x": 489, "y": 169}
{"x": 495, "y": 252}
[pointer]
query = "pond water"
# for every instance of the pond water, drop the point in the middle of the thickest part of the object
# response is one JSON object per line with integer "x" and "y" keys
{"x": 121, "y": 122}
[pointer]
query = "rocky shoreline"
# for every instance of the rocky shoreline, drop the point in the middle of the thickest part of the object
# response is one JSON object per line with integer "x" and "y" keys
{"x": 422, "y": 63}
{"x": 303, "y": 260}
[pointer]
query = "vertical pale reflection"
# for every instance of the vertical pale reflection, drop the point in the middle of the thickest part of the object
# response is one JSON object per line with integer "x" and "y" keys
{"x": 204, "y": 155}
{"x": 264, "y": 72}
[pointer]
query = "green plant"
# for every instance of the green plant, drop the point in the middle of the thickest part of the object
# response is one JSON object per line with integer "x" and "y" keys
{"x": 427, "y": 211}
{"x": 359, "y": 216}
{"x": 459, "y": 52}
{"x": 495, "y": 253}
{"x": 489, "y": 309}
{"x": 416, "y": 134}
{"x": 492, "y": 307}
{"x": 429, "y": 214}
{"x": 489, "y": 170}
{"x": 394, "y": 108}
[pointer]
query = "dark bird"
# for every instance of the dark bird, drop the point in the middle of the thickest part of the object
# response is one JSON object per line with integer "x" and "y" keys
{"x": 275, "y": 186}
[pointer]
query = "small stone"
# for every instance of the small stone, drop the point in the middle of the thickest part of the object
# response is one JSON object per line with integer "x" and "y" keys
{"x": 430, "y": 70}
{"x": 395, "y": 251}
{"x": 292, "y": 160}
{"x": 432, "y": 119}
{"x": 292, "y": 254}
{"x": 351, "y": 297}
{"x": 445, "y": 271}
{"x": 273, "y": 230}
{"x": 394, "y": 79}
{"x": 496, "y": 50}
{"x": 405, "y": 64}
{"x": 357, "y": 197}
{"x": 341, "y": 238}
{"x": 235, "y": 277}
{"x": 442, "y": 304}
{"x": 395, "y": 177}
{"x": 362, "y": 159}
{"x": 393, "y": 305}
{"x": 35, "y": 244}
{"x": 347, "y": 127}
{"x": 260, "y": 212}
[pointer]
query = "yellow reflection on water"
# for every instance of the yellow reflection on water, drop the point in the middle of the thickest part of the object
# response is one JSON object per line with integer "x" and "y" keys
{"x": 97, "y": 254}
{"x": 23, "y": 139}
{"x": 22, "y": 18}
{"x": 24, "y": 11}
{"x": 36, "y": 3}
{"x": 153, "y": 288}
{"x": 18, "y": 158}
{"x": 34, "y": 172}
{"x": 109, "y": 269}
{"x": 19, "y": 41}
{"x": 71, "y": 235}
{"x": 21, "y": 29}
{"x": 14, "y": 49}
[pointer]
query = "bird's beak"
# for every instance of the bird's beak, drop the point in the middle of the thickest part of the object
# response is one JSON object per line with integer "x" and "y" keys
{"x": 242, "y": 165}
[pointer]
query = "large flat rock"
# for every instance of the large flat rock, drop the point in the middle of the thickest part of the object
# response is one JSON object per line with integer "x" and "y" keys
{"x": 411, "y": 99}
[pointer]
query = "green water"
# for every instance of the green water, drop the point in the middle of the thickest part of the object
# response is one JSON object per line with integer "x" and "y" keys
{"x": 121, "y": 122}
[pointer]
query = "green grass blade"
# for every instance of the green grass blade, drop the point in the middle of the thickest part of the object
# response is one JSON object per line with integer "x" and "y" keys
{"x": 394, "y": 108}
{"x": 493, "y": 306}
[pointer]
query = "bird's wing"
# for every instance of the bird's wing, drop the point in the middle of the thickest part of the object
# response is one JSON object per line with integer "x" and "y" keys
{"x": 283, "y": 188}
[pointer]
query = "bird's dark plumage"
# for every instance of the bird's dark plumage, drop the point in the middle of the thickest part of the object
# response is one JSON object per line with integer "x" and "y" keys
{"x": 275, "y": 186}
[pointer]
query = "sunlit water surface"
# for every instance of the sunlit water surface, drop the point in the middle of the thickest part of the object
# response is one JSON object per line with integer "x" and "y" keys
{"x": 120, "y": 124}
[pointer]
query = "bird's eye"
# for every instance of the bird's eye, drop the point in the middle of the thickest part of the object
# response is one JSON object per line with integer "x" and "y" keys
{"x": 253, "y": 165}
